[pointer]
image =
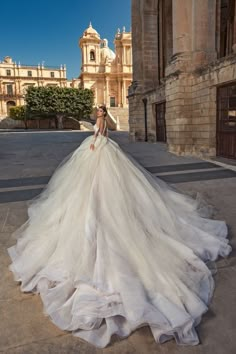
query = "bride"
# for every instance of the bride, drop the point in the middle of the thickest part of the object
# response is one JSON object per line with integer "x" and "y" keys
{"x": 111, "y": 248}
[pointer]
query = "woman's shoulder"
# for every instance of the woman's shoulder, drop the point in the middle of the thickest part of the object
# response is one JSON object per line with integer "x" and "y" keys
{"x": 100, "y": 122}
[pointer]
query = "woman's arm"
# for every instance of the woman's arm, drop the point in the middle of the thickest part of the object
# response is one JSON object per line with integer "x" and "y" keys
{"x": 98, "y": 124}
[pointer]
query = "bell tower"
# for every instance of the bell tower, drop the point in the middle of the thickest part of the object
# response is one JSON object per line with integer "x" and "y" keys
{"x": 123, "y": 49}
{"x": 90, "y": 44}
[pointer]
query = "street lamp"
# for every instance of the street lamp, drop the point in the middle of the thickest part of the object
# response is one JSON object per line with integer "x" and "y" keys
{"x": 145, "y": 116}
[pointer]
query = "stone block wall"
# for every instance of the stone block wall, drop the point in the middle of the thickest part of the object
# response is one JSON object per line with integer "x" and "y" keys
{"x": 191, "y": 107}
{"x": 136, "y": 118}
{"x": 178, "y": 92}
{"x": 187, "y": 78}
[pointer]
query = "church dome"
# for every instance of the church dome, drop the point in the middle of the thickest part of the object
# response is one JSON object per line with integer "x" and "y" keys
{"x": 91, "y": 32}
{"x": 106, "y": 52}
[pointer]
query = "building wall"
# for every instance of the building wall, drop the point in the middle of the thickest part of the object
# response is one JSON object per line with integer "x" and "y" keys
{"x": 183, "y": 71}
{"x": 15, "y": 78}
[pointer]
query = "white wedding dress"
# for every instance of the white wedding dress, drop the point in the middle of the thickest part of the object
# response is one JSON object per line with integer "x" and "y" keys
{"x": 111, "y": 248}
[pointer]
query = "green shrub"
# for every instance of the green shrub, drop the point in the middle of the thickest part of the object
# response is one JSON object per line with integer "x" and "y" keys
{"x": 17, "y": 113}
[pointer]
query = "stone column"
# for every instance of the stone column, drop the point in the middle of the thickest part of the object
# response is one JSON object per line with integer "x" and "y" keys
{"x": 168, "y": 29}
{"x": 1, "y": 107}
{"x": 234, "y": 44}
{"x": 145, "y": 62}
{"x": 204, "y": 25}
{"x": 182, "y": 26}
{"x": 123, "y": 54}
{"x": 4, "y": 107}
{"x": 16, "y": 87}
{"x": 137, "y": 43}
{"x": 178, "y": 91}
{"x": 106, "y": 100}
{"x": 1, "y": 101}
{"x": 86, "y": 57}
{"x": 150, "y": 44}
{"x": 194, "y": 45}
{"x": 119, "y": 93}
{"x": 194, "y": 25}
{"x": 124, "y": 93}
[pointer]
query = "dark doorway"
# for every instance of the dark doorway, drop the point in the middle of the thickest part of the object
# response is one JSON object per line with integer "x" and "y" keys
{"x": 112, "y": 101}
{"x": 226, "y": 122}
{"x": 160, "y": 109}
{"x": 9, "y": 105}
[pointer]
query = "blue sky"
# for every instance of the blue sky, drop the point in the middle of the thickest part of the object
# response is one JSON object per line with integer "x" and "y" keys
{"x": 48, "y": 30}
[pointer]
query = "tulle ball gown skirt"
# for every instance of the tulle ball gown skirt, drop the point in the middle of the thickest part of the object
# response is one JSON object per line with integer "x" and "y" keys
{"x": 111, "y": 248}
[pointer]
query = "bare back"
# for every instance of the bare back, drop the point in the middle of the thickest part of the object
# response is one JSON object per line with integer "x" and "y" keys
{"x": 102, "y": 124}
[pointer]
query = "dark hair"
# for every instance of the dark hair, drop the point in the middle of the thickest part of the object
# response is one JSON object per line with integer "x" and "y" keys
{"x": 104, "y": 108}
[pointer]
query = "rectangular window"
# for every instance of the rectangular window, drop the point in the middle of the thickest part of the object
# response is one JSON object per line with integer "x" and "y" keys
{"x": 10, "y": 90}
{"x": 29, "y": 73}
{"x": 52, "y": 74}
{"x": 8, "y": 72}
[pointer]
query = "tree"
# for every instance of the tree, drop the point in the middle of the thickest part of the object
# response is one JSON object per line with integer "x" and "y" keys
{"x": 59, "y": 101}
{"x": 19, "y": 113}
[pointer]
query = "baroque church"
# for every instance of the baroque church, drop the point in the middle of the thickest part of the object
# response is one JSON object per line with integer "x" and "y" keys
{"x": 108, "y": 73}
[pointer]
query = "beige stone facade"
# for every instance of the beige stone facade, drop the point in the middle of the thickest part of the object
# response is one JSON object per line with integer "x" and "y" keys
{"x": 107, "y": 73}
{"x": 184, "y": 75}
{"x": 16, "y": 78}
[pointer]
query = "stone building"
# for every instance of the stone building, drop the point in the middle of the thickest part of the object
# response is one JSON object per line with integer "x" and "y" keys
{"x": 16, "y": 78}
{"x": 107, "y": 73}
{"x": 184, "y": 75}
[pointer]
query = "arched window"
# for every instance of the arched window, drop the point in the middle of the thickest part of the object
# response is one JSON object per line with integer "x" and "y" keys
{"x": 92, "y": 55}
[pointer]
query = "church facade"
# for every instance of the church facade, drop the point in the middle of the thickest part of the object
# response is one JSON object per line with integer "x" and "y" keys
{"x": 184, "y": 75}
{"x": 108, "y": 73}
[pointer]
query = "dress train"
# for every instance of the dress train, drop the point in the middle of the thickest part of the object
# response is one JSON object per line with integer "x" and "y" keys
{"x": 111, "y": 248}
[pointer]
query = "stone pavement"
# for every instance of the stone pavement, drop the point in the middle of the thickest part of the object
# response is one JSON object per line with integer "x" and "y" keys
{"x": 27, "y": 160}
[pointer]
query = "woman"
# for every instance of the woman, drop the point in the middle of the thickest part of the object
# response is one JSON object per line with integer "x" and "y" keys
{"x": 111, "y": 248}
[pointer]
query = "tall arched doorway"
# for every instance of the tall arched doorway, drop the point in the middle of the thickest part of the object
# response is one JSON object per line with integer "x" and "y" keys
{"x": 9, "y": 105}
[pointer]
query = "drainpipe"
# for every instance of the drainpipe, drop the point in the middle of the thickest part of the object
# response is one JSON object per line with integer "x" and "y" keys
{"x": 145, "y": 116}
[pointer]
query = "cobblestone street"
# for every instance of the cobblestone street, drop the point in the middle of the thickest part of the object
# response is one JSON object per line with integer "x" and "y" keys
{"x": 27, "y": 160}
